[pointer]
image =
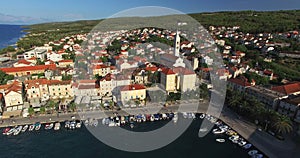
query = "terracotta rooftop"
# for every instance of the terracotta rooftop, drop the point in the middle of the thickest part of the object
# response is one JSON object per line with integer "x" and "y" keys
{"x": 29, "y": 68}
{"x": 183, "y": 71}
{"x": 242, "y": 81}
{"x": 132, "y": 87}
{"x": 168, "y": 71}
{"x": 288, "y": 88}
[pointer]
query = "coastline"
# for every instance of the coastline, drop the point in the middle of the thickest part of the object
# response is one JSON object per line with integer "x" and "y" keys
{"x": 266, "y": 143}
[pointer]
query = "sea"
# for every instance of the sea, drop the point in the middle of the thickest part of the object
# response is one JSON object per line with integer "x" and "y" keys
{"x": 80, "y": 143}
{"x": 10, "y": 34}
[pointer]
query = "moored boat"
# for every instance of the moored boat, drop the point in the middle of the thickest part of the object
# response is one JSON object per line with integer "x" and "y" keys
{"x": 31, "y": 127}
{"x": 78, "y": 124}
{"x": 247, "y": 146}
{"x": 67, "y": 124}
{"x": 4, "y": 132}
{"x": 11, "y": 131}
{"x": 202, "y": 116}
{"x": 95, "y": 122}
{"x": 220, "y": 140}
{"x": 49, "y": 126}
{"x": 25, "y": 128}
{"x": 37, "y": 126}
{"x": 252, "y": 152}
{"x": 18, "y": 130}
{"x": 57, "y": 126}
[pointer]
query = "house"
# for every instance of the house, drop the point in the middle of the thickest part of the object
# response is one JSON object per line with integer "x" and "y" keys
{"x": 290, "y": 107}
{"x": 12, "y": 94}
{"x": 37, "y": 90}
{"x": 60, "y": 89}
{"x": 264, "y": 95}
{"x": 85, "y": 88}
{"x": 108, "y": 84}
{"x": 53, "y": 56}
{"x": 23, "y": 63}
{"x": 103, "y": 70}
{"x": 38, "y": 52}
{"x": 65, "y": 63}
{"x": 168, "y": 80}
{"x": 132, "y": 92}
{"x": 28, "y": 70}
{"x": 207, "y": 60}
{"x": 186, "y": 79}
{"x": 292, "y": 88}
{"x": 239, "y": 84}
{"x": 140, "y": 76}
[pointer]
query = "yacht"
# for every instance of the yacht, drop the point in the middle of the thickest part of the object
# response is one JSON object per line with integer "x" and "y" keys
{"x": 11, "y": 131}
{"x": 25, "y": 128}
{"x": 67, "y": 124}
{"x": 218, "y": 131}
{"x": 242, "y": 143}
{"x": 49, "y": 126}
{"x": 95, "y": 122}
{"x": 152, "y": 118}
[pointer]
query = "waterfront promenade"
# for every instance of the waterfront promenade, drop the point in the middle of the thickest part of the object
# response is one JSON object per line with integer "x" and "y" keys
{"x": 268, "y": 144}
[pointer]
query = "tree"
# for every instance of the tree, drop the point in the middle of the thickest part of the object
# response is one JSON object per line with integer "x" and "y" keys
{"x": 42, "y": 110}
{"x": 5, "y": 77}
{"x": 31, "y": 111}
{"x": 283, "y": 125}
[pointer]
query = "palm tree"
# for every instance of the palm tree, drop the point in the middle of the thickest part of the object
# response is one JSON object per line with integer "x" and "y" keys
{"x": 283, "y": 125}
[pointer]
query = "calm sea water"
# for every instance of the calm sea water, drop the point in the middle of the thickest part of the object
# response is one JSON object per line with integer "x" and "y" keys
{"x": 80, "y": 144}
{"x": 9, "y": 34}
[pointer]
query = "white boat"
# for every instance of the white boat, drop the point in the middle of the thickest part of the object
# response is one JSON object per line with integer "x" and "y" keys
{"x": 18, "y": 130}
{"x": 67, "y": 124}
{"x": 258, "y": 156}
{"x": 86, "y": 122}
{"x": 11, "y": 131}
{"x": 57, "y": 126}
{"x": 49, "y": 126}
{"x": 252, "y": 152}
{"x": 72, "y": 125}
{"x": 218, "y": 131}
{"x": 247, "y": 146}
{"x": 31, "y": 127}
{"x": 234, "y": 137}
{"x": 220, "y": 140}
{"x": 111, "y": 123}
{"x": 242, "y": 143}
{"x": 175, "y": 118}
{"x": 185, "y": 115}
{"x": 144, "y": 118}
{"x": 202, "y": 116}
{"x": 164, "y": 116}
{"x": 37, "y": 126}
{"x": 152, "y": 118}
{"x": 103, "y": 121}
{"x": 131, "y": 125}
{"x": 95, "y": 122}
{"x": 25, "y": 128}
{"x": 78, "y": 124}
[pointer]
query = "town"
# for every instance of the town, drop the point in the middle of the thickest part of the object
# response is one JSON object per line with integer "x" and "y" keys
{"x": 127, "y": 69}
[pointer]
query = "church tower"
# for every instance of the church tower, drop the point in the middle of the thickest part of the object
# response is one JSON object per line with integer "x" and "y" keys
{"x": 177, "y": 44}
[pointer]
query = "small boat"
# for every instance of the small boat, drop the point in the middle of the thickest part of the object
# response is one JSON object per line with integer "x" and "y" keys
{"x": 95, "y": 122}
{"x": 31, "y": 127}
{"x": 220, "y": 140}
{"x": 164, "y": 116}
{"x": 175, "y": 118}
{"x": 258, "y": 156}
{"x": 25, "y": 128}
{"x": 4, "y": 132}
{"x": 152, "y": 118}
{"x": 103, "y": 121}
{"x": 86, "y": 122}
{"x": 18, "y": 130}
{"x": 202, "y": 116}
{"x": 11, "y": 131}
{"x": 131, "y": 125}
{"x": 72, "y": 125}
{"x": 57, "y": 126}
{"x": 78, "y": 124}
{"x": 234, "y": 137}
{"x": 49, "y": 126}
{"x": 247, "y": 146}
{"x": 252, "y": 152}
{"x": 185, "y": 115}
{"x": 144, "y": 119}
{"x": 218, "y": 131}
{"x": 67, "y": 124}
{"x": 37, "y": 126}
{"x": 242, "y": 143}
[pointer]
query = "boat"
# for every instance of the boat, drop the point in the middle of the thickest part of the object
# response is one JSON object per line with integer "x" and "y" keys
{"x": 156, "y": 117}
{"x": 49, "y": 126}
{"x": 37, "y": 126}
{"x": 11, "y": 131}
{"x": 152, "y": 118}
{"x": 258, "y": 156}
{"x": 252, "y": 152}
{"x": 25, "y": 128}
{"x": 202, "y": 116}
{"x": 242, "y": 143}
{"x": 131, "y": 125}
{"x": 72, "y": 125}
{"x": 164, "y": 116}
{"x": 4, "y": 132}
{"x": 218, "y": 131}
{"x": 175, "y": 118}
{"x": 57, "y": 126}
{"x": 103, "y": 121}
{"x": 220, "y": 140}
{"x": 185, "y": 115}
{"x": 67, "y": 124}
{"x": 95, "y": 122}
{"x": 234, "y": 137}
{"x": 247, "y": 146}
{"x": 18, "y": 130}
{"x": 31, "y": 127}
{"x": 144, "y": 119}
{"x": 78, "y": 124}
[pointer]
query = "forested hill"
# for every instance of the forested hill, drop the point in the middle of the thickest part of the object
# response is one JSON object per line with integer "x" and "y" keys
{"x": 250, "y": 21}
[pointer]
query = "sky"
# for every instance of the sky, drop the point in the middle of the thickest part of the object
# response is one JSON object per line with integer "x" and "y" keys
{"x": 37, "y": 11}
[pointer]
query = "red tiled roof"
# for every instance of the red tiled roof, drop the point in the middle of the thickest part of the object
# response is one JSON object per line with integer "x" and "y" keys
{"x": 242, "y": 81}
{"x": 132, "y": 87}
{"x": 29, "y": 68}
{"x": 66, "y": 61}
{"x": 288, "y": 89}
{"x": 23, "y": 61}
{"x": 184, "y": 71}
{"x": 168, "y": 71}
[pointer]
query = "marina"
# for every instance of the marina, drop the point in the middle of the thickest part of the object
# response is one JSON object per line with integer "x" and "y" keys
{"x": 222, "y": 132}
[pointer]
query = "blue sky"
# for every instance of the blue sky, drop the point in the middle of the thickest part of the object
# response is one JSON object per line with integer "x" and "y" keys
{"x": 34, "y": 11}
